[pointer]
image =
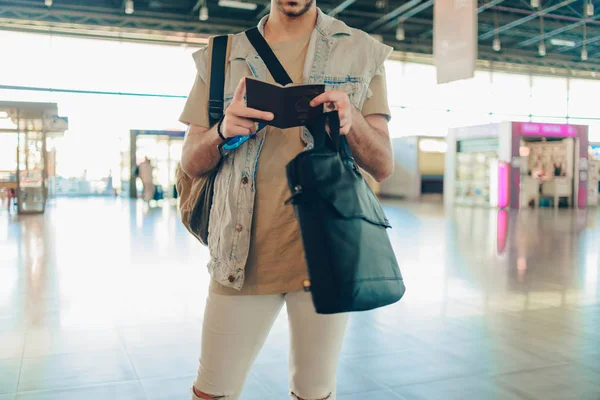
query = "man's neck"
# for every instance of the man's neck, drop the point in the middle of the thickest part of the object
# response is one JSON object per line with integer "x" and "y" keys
{"x": 281, "y": 28}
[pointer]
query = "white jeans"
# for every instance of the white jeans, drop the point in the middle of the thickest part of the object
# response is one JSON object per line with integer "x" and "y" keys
{"x": 235, "y": 329}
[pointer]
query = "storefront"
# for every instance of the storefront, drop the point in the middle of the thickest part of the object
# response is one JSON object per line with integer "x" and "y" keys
{"x": 594, "y": 171}
{"x": 419, "y": 167}
{"x": 29, "y": 170}
{"x": 517, "y": 164}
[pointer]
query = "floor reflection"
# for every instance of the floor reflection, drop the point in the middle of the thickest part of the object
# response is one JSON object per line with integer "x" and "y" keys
{"x": 103, "y": 298}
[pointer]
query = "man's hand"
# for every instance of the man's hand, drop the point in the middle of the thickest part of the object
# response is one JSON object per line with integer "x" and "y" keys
{"x": 238, "y": 117}
{"x": 337, "y": 100}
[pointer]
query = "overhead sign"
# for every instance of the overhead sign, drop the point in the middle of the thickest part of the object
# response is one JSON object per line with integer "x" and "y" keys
{"x": 548, "y": 130}
{"x": 455, "y": 39}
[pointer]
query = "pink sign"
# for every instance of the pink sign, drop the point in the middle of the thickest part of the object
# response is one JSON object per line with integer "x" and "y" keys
{"x": 503, "y": 184}
{"x": 549, "y": 130}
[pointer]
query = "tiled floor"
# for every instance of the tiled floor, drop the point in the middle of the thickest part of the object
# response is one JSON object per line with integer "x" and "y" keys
{"x": 103, "y": 299}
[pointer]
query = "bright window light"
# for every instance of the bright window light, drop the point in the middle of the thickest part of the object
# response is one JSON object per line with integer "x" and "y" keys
{"x": 237, "y": 4}
{"x": 432, "y": 146}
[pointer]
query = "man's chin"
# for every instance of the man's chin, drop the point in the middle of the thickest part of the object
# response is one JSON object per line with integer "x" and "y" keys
{"x": 294, "y": 10}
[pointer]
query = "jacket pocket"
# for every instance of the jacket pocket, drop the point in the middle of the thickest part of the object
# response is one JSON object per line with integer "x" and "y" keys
{"x": 354, "y": 86}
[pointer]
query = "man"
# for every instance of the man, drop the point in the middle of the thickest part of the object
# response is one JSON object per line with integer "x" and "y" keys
{"x": 145, "y": 172}
{"x": 257, "y": 258}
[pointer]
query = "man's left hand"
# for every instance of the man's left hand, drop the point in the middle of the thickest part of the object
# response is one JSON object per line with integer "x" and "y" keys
{"x": 337, "y": 100}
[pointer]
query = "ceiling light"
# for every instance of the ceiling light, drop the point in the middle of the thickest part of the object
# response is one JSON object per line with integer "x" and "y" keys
{"x": 497, "y": 46}
{"x": 535, "y": 3}
{"x": 584, "y": 54}
{"x": 48, "y": 3}
{"x": 542, "y": 49}
{"x": 589, "y": 9}
{"x": 562, "y": 42}
{"x": 400, "y": 33}
{"x": 203, "y": 13}
{"x": 238, "y": 4}
{"x": 129, "y": 7}
{"x": 380, "y": 4}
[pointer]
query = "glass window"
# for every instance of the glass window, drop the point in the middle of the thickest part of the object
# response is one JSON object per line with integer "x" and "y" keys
{"x": 8, "y": 152}
{"x": 418, "y": 88}
{"x": 394, "y": 71}
{"x": 549, "y": 97}
{"x": 457, "y": 119}
{"x": 470, "y": 95}
{"x": 83, "y": 64}
{"x": 549, "y": 120}
{"x": 415, "y": 121}
{"x": 509, "y": 117}
{"x": 583, "y": 98}
{"x": 511, "y": 94}
{"x": 396, "y": 126}
{"x": 593, "y": 127}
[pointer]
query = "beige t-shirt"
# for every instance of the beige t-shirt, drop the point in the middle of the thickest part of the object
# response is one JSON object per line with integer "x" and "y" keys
{"x": 276, "y": 261}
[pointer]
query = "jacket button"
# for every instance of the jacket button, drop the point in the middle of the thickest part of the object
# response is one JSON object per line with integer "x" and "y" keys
{"x": 238, "y": 228}
{"x": 231, "y": 278}
{"x": 245, "y": 180}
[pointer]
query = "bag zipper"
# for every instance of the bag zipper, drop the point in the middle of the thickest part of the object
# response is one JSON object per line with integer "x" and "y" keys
{"x": 295, "y": 193}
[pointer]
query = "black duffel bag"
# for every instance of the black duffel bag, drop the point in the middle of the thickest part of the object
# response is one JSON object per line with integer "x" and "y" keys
{"x": 351, "y": 263}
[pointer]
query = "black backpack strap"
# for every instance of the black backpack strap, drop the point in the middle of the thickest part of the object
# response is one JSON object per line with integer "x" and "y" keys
{"x": 217, "y": 78}
{"x": 269, "y": 58}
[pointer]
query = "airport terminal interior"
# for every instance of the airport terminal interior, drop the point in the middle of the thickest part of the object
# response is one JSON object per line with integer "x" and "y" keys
{"x": 493, "y": 203}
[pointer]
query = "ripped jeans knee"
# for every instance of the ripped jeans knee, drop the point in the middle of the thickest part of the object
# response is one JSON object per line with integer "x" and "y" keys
{"x": 296, "y": 397}
{"x": 198, "y": 395}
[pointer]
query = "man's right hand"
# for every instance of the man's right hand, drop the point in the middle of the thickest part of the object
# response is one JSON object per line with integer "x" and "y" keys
{"x": 238, "y": 117}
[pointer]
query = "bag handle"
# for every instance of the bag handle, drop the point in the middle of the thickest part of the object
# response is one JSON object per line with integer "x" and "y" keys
{"x": 269, "y": 58}
{"x": 321, "y": 138}
{"x": 334, "y": 141}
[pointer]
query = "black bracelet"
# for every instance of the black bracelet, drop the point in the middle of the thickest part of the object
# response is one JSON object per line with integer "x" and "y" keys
{"x": 219, "y": 129}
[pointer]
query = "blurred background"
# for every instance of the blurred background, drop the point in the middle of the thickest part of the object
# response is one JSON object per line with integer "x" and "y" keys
{"x": 496, "y": 136}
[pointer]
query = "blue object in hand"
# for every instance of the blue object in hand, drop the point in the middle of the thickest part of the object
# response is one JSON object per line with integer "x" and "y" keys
{"x": 237, "y": 141}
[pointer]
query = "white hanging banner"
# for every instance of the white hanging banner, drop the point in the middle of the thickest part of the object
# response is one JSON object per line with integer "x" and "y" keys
{"x": 455, "y": 39}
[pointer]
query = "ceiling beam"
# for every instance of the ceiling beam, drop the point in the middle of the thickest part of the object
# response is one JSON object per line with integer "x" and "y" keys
{"x": 391, "y": 15}
{"x": 264, "y": 12}
{"x": 481, "y": 9}
{"x": 490, "y": 4}
{"x": 345, "y": 4}
{"x": 523, "y": 20}
{"x": 411, "y": 13}
{"x": 199, "y": 4}
{"x": 41, "y": 18}
{"x": 555, "y": 32}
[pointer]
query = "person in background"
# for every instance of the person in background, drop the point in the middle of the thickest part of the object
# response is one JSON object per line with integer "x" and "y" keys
{"x": 145, "y": 171}
{"x": 12, "y": 196}
{"x": 557, "y": 168}
{"x": 539, "y": 172}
